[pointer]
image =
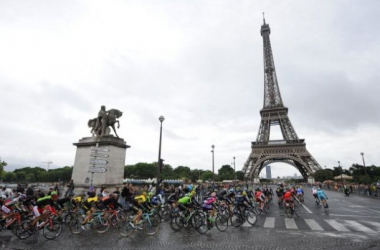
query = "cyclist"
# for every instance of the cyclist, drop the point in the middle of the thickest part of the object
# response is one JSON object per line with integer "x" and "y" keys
{"x": 139, "y": 204}
{"x": 288, "y": 198}
{"x": 280, "y": 194}
{"x": 242, "y": 200}
{"x": 323, "y": 197}
{"x": 90, "y": 205}
{"x": 314, "y": 192}
{"x": 260, "y": 197}
{"x": 44, "y": 206}
{"x": 208, "y": 205}
{"x": 300, "y": 193}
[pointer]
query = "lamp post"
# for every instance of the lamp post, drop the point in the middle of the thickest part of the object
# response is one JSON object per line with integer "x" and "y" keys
{"x": 234, "y": 169}
{"x": 161, "y": 119}
{"x": 341, "y": 175}
{"x": 365, "y": 171}
{"x": 213, "y": 178}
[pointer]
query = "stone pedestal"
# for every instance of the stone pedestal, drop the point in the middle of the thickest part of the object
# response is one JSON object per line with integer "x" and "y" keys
{"x": 108, "y": 162}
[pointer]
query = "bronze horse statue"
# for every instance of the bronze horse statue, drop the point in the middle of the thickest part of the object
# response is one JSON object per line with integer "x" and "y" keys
{"x": 110, "y": 121}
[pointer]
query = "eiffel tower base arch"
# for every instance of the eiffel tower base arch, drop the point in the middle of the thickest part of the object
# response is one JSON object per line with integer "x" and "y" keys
{"x": 292, "y": 152}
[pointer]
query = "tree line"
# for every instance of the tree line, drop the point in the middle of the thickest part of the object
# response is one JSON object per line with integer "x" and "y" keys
{"x": 144, "y": 170}
{"x": 359, "y": 173}
{"x": 140, "y": 170}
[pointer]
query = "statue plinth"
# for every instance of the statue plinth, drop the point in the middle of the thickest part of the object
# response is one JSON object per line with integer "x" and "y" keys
{"x": 100, "y": 159}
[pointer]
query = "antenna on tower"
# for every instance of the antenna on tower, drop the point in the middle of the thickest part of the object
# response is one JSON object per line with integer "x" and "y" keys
{"x": 48, "y": 164}
{"x": 264, "y": 17}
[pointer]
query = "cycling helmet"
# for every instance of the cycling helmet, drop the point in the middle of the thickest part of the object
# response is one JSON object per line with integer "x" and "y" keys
{"x": 213, "y": 194}
{"x": 244, "y": 193}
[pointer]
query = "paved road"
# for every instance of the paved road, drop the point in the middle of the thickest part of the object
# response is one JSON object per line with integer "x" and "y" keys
{"x": 353, "y": 223}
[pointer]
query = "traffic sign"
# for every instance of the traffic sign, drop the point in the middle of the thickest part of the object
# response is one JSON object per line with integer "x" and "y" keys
{"x": 98, "y": 162}
{"x": 100, "y": 155}
{"x": 100, "y": 149}
{"x": 97, "y": 170}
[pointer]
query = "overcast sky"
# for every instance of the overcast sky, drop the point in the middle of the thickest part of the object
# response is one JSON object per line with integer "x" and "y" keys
{"x": 199, "y": 64}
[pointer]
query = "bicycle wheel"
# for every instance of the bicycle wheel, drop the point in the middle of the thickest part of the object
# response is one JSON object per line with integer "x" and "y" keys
{"x": 100, "y": 224}
{"x": 251, "y": 217}
{"x": 68, "y": 218}
{"x": 297, "y": 211}
{"x": 23, "y": 231}
{"x": 202, "y": 226}
{"x": 266, "y": 208}
{"x": 117, "y": 220}
{"x": 165, "y": 213}
{"x": 151, "y": 226}
{"x": 326, "y": 210}
{"x": 176, "y": 224}
{"x": 237, "y": 219}
{"x": 14, "y": 227}
{"x": 53, "y": 229}
{"x": 75, "y": 224}
{"x": 289, "y": 212}
{"x": 221, "y": 222}
{"x": 127, "y": 228}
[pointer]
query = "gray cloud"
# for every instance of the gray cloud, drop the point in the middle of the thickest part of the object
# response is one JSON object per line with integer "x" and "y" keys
{"x": 197, "y": 63}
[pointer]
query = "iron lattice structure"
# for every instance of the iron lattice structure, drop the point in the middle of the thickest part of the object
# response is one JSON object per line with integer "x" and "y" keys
{"x": 291, "y": 149}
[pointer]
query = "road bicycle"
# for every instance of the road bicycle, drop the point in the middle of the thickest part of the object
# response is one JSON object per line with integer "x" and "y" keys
{"x": 51, "y": 227}
{"x": 149, "y": 224}
{"x": 239, "y": 216}
{"x": 290, "y": 210}
{"x": 100, "y": 223}
{"x": 219, "y": 220}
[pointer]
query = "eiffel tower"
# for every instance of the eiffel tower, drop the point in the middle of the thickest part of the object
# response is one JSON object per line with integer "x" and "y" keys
{"x": 290, "y": 149}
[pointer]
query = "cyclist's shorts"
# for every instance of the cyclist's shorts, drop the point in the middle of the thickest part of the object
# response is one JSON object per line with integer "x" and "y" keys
{"x": 5, "y": 209}
{"x": 36, "y": 211}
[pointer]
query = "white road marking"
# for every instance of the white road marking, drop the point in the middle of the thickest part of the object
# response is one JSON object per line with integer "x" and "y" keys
{"x": 308, "y": 210}
{"x": 269, "y": 222}
{"x": 376, "y": 224}
{"x": 351, "y": 215}
{"x": 359, "y": 226}
{"x": 313, "y": 224}
{"x": 290, "y": 223}
{"x": 337, "y": 226}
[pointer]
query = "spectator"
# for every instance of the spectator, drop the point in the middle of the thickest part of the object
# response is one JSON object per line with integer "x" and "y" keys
{"x": 56, "y": 188}
{"x": 29, "y": 191}
{"x": 70, "y": 188}
{"x": 125, "y": 193}
{"x": 20, "y": 189}
{"x": 102, "y": 189}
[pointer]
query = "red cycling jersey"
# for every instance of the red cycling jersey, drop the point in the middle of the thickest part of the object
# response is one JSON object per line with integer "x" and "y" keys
{"x": 288, "y": 196}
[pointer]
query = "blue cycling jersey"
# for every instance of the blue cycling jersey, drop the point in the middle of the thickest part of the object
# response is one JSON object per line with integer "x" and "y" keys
{"x": 321, "y": 195}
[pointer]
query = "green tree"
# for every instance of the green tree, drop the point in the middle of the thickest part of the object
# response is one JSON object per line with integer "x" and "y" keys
{"x": 226, "y": 172}
{"x": 207, "y": 175}
{"x": 141, "y": 170}
{"x": 240, "y": 175}
{"x": 365, "y": 179}
{"x": 182, "y": 172}
{"x": 323, "y": 175}
{"x": 9, "y": 176}
{"x": 2, "y": 165}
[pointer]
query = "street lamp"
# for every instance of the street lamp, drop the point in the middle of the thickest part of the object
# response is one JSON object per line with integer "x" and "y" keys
{"x": 341, "y": 175}
{"x": 234, "y": 169}
{"x": 213, "y": 178}
{"x": 161, "y": 119}
{"x": 365, "y": 170}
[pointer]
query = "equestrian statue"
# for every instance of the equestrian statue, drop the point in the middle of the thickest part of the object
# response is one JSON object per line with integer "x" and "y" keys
{"x": 100, "y": 125}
